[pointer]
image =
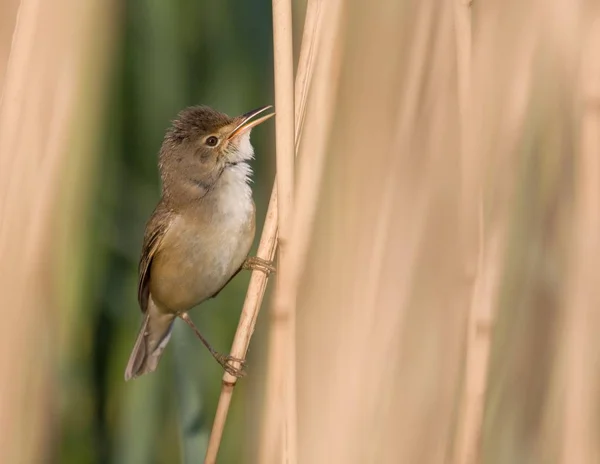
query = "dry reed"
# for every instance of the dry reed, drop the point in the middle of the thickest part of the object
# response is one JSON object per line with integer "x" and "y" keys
{"x": 579, "y": 342}
{"x": 45, "y": 77}
{"x": 446, "y": 234}
{"x": 373, "y": 387}
{"x": 266, "y": 250}
{"x": 441, "y": 252}
{"x": 481, "y": 263}
{"x": 270, "y": 449}
{"x": 284, "y": 143}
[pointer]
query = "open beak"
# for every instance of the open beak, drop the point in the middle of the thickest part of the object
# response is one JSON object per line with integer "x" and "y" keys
{"x": 246, "y": 122}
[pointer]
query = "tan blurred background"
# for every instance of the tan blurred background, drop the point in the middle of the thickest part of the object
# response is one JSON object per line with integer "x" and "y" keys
{"x": 448, "y": 304}
{"x": 89, "y": 89}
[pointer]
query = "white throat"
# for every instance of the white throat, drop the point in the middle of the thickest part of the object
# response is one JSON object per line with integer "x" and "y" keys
{"x": 235, "y": 180}
{"x": 243, "y": 150}
{"x": 235, "y": 194}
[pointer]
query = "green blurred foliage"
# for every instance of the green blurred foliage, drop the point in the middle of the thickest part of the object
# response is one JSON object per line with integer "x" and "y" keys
{"x": 169, "y": 55}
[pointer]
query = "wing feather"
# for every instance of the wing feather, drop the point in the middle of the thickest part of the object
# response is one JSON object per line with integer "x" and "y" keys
{"x": 157, "y": 226}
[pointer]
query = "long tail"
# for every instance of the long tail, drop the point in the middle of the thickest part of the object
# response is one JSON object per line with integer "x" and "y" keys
{"x": 150, "y": 343}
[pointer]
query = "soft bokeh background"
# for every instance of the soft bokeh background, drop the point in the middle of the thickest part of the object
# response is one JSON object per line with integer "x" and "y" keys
{"x": 147, "y": 60}
{"x": 166, "y": 56}
{"x": 448, "y": 305}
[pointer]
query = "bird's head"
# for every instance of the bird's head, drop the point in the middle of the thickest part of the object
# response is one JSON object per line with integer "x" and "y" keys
{"x": 203, "y": 143}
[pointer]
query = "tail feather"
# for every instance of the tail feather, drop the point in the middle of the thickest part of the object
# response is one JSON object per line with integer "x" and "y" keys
{"x": 150, "y": 343}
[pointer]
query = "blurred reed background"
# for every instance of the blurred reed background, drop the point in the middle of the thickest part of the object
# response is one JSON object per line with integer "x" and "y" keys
{"x": 443, "y": 244}
{"x": 448, "y": 308}
{"x": 90, "y": 89}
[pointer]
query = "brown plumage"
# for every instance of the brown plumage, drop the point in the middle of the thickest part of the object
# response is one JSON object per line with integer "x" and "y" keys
{"x": 200, "y": 233}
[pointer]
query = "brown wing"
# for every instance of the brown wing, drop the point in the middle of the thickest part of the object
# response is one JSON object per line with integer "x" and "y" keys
{"x": 156, "y": 227}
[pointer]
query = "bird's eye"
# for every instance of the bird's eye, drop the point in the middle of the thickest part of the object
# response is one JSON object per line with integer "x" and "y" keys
{"x": 212, "y": 141}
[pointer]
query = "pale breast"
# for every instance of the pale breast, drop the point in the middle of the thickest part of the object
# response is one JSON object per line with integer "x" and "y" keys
{"x": 203, "y": 248}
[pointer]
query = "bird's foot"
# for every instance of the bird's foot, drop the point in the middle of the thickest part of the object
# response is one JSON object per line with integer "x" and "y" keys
{"x": 226, "y": 361}
{"x": 258, "y": 264}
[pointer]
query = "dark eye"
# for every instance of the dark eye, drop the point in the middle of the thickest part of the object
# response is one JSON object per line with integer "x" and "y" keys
{"x": 212, "y": 141}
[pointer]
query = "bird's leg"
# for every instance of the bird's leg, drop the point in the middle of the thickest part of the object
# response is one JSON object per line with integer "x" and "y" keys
{"x": 258, "y": 264}
{"x": 224, "y": 360}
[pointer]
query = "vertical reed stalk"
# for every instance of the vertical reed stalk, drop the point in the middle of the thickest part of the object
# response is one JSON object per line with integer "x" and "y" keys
{"x": 580, "y": 345}
{"x": 284, "y": 307}
{"x": 40, "y": 94}
{"x": 480, "y": 263}
{"x": 378, "y": 313}
{"x": 272, "y": 424}
{"x": 523, "y": 58}
{"x": 266, "y": 249}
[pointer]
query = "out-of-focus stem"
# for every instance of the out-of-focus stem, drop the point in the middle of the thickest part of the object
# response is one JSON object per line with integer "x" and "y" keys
{"x": 284, "y": 142}
{"x": 266, "y": 250}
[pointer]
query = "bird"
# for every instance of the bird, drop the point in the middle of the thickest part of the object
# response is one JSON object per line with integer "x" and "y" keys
{"x": 200, "y": 233}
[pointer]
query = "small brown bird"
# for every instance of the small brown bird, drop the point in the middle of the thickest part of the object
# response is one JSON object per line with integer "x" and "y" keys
{"x": 200, "y": 233}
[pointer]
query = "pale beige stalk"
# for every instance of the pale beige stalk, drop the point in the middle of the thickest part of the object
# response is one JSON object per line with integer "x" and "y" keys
{"x": 312, "y": 156}
{"x": 43, "y": 85}
{"x": 379, "y": 313}
{"x": 8, "y": 18}
{"x": 284, "y": 146}
{"x": 480, "y": 269}
{"x": 270, "y": 449}
{"x": 580, "y": 347}
{"x": 526, "y": 55}
{"x": 266, "y": 250}
{"x": 491, "y": 128}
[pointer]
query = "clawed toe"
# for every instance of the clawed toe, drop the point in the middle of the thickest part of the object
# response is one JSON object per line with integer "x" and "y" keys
{"x": 259, "y": 264}
{"x": 227, "y": 363}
